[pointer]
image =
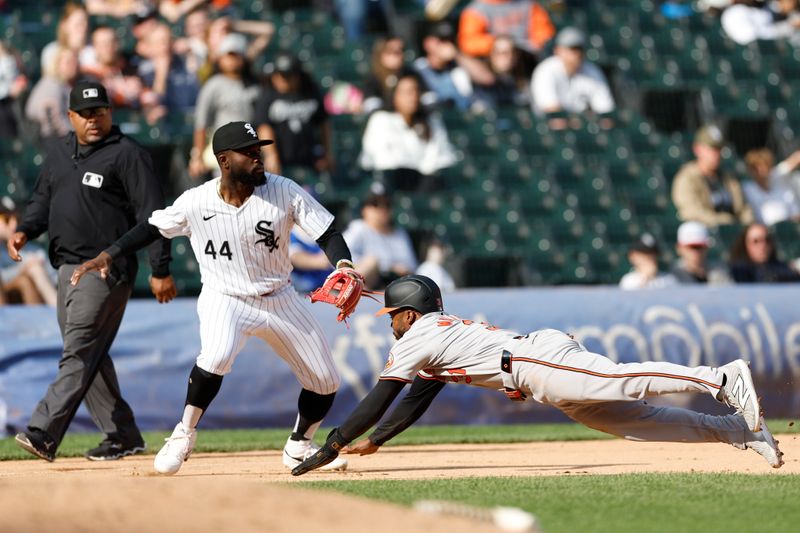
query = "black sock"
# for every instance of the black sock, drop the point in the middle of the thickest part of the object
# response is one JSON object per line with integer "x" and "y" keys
{"x": 203, "y": 387}
{"x": 312, "y": 408}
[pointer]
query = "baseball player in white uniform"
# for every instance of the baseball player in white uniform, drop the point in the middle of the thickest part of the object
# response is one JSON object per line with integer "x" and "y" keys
{"x": 549, "y": 366}
{"x": 239, "y": 226}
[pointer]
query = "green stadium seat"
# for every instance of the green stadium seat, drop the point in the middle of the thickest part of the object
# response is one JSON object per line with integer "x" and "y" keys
{"x": 773, "y": 47}
{"x": 489, "y": 271}
{"x": 702, "y": 23}
{"x": 719, "y": 44}
{"x": 608, "y": 265}
{"x": 669, "y": 41}
{"x": 542, "y": 265}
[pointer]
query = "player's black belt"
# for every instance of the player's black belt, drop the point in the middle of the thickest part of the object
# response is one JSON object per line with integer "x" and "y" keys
{"x": 505, "y": 361}
{"x": 509, "y": 387}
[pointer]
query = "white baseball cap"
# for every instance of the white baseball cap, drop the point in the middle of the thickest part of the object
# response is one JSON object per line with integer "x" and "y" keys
{"x": 233, "y": 43}
{"x": 692, "y": 234}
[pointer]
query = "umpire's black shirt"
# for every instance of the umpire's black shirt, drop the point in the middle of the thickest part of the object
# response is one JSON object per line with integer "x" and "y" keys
{"x": 87, "y": 196}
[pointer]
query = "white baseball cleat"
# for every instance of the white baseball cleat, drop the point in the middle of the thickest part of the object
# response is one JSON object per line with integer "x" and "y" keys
{"x": 740, "y": 393}
{"x": 176, "y": 450}
{"x": 297, "y": 451}
{"x": 764, "y": 444}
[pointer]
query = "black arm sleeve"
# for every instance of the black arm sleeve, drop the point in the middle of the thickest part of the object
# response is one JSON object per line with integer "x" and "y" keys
{"x": 371, "y": 409}
{"x": 332, "y": 243}
{"x": 144, "y": 191}
{"x": 408, "y": 411}
{"x": 137, "y": 238}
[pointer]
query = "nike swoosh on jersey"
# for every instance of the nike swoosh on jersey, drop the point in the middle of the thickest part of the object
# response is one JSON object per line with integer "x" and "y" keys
{"x": 209, "y": 217}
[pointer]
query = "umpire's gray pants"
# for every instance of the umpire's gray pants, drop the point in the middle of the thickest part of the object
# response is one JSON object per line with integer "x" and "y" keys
{"x": 89, "y": 316}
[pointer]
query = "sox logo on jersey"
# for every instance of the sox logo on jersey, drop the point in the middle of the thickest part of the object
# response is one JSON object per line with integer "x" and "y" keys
{"x": 269, "y": 240}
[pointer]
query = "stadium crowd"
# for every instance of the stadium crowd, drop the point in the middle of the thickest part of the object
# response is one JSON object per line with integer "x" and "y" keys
{"x": 466, "y": 104}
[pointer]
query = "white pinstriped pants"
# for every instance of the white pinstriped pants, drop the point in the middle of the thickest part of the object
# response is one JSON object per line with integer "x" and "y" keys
{"x": 282, "y": 319}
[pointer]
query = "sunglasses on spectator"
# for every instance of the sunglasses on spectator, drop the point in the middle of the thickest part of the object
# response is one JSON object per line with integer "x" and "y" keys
{"x": 93, "y": 112}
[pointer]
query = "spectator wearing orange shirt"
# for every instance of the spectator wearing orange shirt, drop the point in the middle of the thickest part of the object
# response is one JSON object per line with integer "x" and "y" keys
{"x": 526, "y": 21}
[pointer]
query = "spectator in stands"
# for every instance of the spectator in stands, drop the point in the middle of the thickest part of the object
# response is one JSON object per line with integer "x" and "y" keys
{"x": 405, "y": 137}
{"x": 387, "y": 65}
{"x": 702, "y": 192}
{"x": 353, "y": 14}
{"x": 692, "y": 265}
{"x": 768, "y": 194}
{"x": 193, "y": 46}
{"x": 643, "y": 257}
{"x": 310, "y": 265}
{"x": 433, "y": 266}
{"x": 754, "y": 258}
{"x": 72, "y": 32}
{"x": 567, "y": 82}
{"x": 526, "y": 21}
{"x": 47, "y": 103}
{"x": 227, "y": 96}
{"x": 787, "y": 173}
{"x": 381, "y": 252}
{"x": 29, "y": 281}
{"x": 171, "y": 87}
{"x": 509, "y": 87}
{"x": 12, "y": 83}
{"x": 261, "y": 33}
{"x": 291, "y": 111}
{"x": 115, "y": 8}
{"x": 174, "y": 10}
{"x": 447, "y": 73}
{"x": 141, "y": 25}
{"x": 113, "y": 70}
{"x": 746, "y": 21}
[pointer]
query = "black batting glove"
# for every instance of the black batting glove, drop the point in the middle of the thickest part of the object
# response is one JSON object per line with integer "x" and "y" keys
{"x": 325, "y": 455}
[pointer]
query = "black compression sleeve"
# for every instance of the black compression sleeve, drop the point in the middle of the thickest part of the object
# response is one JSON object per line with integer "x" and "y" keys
{"x": 408, "y": 411}
{"x": 371, "y": 408}
{"x": 137, "y": 238}
{"x": 332, "y": 243}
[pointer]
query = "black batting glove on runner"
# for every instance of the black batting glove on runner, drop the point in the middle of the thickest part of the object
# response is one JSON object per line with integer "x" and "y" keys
{"x": 325, "y": 455}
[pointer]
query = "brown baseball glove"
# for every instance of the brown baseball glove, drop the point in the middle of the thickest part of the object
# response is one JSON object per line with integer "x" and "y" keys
{"x": 342, "y": 288}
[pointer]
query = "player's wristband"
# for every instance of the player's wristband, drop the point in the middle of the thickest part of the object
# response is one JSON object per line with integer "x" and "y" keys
{"x": 344, "y": 263}
{"x": 335, "y": 440}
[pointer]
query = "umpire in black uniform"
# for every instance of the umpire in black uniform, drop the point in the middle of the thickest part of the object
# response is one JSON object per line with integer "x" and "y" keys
{"x": 95, "y": 185}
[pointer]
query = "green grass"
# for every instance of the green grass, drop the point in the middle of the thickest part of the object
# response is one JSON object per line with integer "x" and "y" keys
{"x": 614, "y": 503}
{"x": 239, "y": 440}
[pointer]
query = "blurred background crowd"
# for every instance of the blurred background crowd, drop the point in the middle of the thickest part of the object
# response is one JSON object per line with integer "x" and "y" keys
{"x": 481, "y": 142}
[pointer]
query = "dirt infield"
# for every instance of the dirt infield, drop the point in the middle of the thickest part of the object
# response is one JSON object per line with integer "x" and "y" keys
{"x": 252, "y": 491}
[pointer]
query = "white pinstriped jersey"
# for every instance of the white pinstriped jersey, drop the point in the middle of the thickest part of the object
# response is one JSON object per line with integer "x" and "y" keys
{"x": 450, "y": 348}
{"x": 243, "y": 251}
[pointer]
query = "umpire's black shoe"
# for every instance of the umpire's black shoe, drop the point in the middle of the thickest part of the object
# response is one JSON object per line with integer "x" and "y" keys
{"x": 38, "y": 443}
{"x": 111, "y": 450}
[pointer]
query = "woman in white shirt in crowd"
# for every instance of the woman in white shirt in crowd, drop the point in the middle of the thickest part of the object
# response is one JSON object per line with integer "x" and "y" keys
{"x": 769, "y": 193}
{"x": 406, "y": 137}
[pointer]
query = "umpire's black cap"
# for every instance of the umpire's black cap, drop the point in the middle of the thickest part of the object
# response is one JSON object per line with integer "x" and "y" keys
{"x": 235, "y": 136}
{"x": 88, "y": 94}
{"x": 417, "y": 292}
